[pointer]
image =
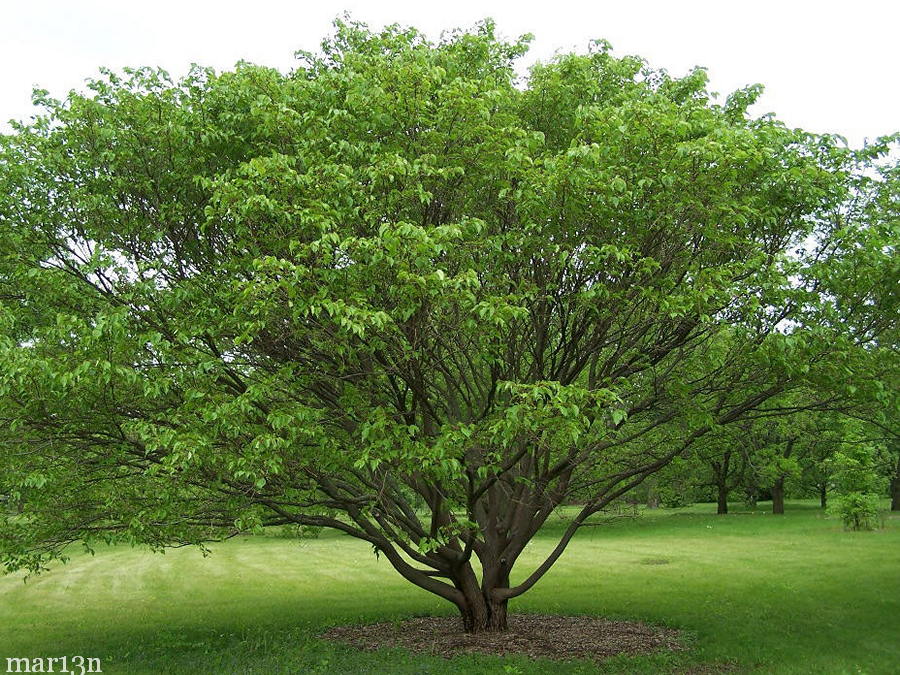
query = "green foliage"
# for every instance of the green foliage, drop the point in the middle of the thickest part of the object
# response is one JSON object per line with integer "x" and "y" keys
{"x": 857, "y": 510}
{"x": 854, "y": 468}
{"x": 400, "y": 293}
{"x": 680, "y": 484}
{"x": 859, "y": 484}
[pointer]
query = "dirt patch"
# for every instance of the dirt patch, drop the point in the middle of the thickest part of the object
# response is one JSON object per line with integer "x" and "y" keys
{"x": 534, "y": 635}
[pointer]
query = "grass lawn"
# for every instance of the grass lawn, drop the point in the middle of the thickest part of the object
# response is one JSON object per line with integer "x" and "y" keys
{"x": 791, "y": 594}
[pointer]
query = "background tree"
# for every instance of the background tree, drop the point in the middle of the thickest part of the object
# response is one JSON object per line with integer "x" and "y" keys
{"x": 859, "y": 484}
{"x": 726, "y": 459}
{"x": 397, "y": 293}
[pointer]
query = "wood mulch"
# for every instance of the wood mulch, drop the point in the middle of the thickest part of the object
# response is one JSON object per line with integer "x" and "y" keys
{"x": 534, "y": 635}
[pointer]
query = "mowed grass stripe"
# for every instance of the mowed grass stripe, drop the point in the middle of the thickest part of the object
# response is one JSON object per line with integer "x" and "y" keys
{"x": 792, "y": 594}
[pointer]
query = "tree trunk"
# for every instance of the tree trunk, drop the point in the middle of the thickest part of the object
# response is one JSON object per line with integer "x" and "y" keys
{"x": 722, "y": 507}
{"x": 778, "y": 497}
{"x": 484, "y": 617}
{"x": 481, "y": 614}
{"x": 823, "y": 494}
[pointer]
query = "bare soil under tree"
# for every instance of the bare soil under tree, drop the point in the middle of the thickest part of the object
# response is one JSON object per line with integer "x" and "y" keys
{"x": 534, "y": 635}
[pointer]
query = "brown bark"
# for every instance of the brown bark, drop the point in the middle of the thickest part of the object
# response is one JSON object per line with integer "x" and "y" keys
{"x": 823, "y": 494}
{"x": 778, "y": 497}
{"x": 480, "y": 608}
{"x": 778, "y": 487}
{"x": 722, "y": 502}
{"x": 721, "y": 470}
{"x": 481, "y": 615}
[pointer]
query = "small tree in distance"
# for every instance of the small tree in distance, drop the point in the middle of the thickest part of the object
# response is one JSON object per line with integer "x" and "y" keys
{"x": 858, "y": 485}
{"x": 400, "y": 294}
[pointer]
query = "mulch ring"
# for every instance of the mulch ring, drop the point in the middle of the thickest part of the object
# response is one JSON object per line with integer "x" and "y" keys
{"x": 535, "y": 635}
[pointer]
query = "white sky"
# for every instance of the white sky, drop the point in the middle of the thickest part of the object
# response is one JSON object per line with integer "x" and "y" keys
{"x": 827, "y": 66}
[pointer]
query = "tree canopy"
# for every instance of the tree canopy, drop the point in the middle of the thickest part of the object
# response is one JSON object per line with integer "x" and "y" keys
{"x": 403, "y": 293}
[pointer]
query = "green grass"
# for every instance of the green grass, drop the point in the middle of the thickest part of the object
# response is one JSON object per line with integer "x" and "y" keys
{"x": 792, "y": 594}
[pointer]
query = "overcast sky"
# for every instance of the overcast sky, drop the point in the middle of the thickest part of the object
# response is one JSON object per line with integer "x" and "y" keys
{"x": 826, "y": 66}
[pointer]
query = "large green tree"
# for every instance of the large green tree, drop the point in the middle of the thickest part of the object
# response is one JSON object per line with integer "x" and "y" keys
{"x": 400, "y": 293}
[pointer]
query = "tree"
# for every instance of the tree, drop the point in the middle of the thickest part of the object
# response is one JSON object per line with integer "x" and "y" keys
{"x": 728, "y": 464}
{"x": 858, "y": 484}
{"x": 774, "y": 446}
{"x": 400, "y": 294}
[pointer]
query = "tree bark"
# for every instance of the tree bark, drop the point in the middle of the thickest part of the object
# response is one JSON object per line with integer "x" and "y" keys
{"x": 823, "y": 494}
{"x": 479, "y": 608}
{"x": 720, "y": 471}
{"x": 481, "y": 615}
{"x": 481, "y": 612}
{"x": 722, "y": 507}
{"x": 778, "y": 497}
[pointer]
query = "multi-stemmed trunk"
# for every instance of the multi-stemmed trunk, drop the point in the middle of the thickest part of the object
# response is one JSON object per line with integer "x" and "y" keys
{"x": 479, "y": 606}
{"x": 472, "y": 569}
{"x": 481, "y": 613}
